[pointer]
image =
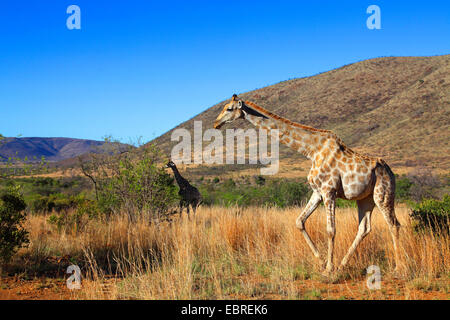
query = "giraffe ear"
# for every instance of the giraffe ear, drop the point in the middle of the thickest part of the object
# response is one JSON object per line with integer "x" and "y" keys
{"x": 240, "y": 104}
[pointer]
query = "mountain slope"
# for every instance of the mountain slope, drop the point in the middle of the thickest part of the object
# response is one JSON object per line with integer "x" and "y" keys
{"x": 53, "y": 149}
{"x": 397, "y": 108}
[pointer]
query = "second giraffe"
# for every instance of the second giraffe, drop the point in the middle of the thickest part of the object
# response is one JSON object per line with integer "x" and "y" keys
{"x": 190, "y": 196}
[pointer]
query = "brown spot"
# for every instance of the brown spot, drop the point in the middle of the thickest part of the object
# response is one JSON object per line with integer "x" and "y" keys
{"x": 346, "y": 180}
{"x": 317, "y": 182}
{"x": 286, "y": 139}
{"x": 318, "y": 161}
{"x": 338, "y": 155}
{"x": 333, "y": 163}
{"x": 364, "y": 169}
{"x": 361, "y": 179}
{"x": 350, "y": 167}
{"x": 296, "y": 136}
{"x": 296, "y": 145}
{"x": 341, "y": 166}
{"x": 344, "y": 159}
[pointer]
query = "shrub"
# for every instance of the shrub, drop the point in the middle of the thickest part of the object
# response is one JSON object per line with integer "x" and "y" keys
{"x": 403, "y": 188}
{"x": 277, "y": 193}
{"x": 12, "y": 234}
{"x": 132, "y": 182}
{"x": 75, "y": 219}
{"x": 432, "y": 215}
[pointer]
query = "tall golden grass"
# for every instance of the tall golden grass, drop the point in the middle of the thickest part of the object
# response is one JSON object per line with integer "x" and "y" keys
{"x": 230, "y": 253}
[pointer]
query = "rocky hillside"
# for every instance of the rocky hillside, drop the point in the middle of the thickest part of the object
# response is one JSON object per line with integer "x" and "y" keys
{"x": 397, "y": 108}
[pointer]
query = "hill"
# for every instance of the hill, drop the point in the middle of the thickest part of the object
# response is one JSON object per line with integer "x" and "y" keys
{"x": 53, "y": 149}
{"x": 397, "y": 108}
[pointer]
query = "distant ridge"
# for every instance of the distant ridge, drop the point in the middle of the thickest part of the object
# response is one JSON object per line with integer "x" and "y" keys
{"x": 53, "y": 149}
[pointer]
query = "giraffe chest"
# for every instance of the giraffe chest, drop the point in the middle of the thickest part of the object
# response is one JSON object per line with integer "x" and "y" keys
{"x": 324, "y": 179}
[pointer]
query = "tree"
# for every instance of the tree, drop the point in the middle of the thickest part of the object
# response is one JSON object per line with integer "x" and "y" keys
{"x": 130, "y": 180}
{"x": 12, "y": 235}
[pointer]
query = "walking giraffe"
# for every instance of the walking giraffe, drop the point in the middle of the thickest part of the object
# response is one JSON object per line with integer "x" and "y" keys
{"x": 336, "y": 172}
{"x": 188, "y": 193}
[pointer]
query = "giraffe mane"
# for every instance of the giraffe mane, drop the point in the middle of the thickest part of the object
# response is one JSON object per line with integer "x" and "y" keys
{"x": 287, "y": 121}
{"x": 294, "y": 124}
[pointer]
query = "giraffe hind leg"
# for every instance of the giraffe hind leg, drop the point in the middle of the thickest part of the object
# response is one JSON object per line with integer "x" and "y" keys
{"x": 365, "y": 207}
{"x": 384, "y": 196}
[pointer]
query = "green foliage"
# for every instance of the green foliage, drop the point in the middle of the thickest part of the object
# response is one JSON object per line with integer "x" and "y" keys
{"x": 403, "y": 188}
{"x": 56, "y": 202}
{"x": 342, "y": 203}
{"x": 131, "y": 182}
{"x": 76, "y": 219}
{"x": 12, "y": 234}
{"x": 260, "y": 180}
{"x": 277, "y": 193}
{"x": 432, "y": 215}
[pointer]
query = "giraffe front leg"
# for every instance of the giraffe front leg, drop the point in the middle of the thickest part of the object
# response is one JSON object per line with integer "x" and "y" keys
{"x": 188, "y": 213}
{"x": 313, "y": 202}
{"x": 330, "y": 205}
{"x": 181, "y": 209}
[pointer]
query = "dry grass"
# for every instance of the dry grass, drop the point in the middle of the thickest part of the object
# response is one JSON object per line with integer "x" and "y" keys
{"x": 229, "y": 253}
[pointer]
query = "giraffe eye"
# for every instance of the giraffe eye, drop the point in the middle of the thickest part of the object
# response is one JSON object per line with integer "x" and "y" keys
{"x": 230, "y": 109}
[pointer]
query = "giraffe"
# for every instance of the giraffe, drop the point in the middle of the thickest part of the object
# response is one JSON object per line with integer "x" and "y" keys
{"x": 336, "y": 172}
{"x": 188, "y": 193}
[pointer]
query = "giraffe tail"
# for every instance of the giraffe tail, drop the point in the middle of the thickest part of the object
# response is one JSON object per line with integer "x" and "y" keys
{"x": 388, "y": 176}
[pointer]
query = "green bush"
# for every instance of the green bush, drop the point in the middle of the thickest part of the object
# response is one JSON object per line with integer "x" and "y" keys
{"x": 12, "y": 234}
{"x": 132, "y": 182}
{"x": 277, "y": 193}
{"x": 432, "y": 215}
{"x": 75, "y": 219}
{"x": 403, "y": 188}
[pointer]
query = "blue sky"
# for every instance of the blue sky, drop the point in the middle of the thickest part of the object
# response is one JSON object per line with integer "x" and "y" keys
{"x": 139, "y": 68}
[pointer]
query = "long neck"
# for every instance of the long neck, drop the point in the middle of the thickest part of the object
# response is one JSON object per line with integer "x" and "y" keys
{"x": 298, "y": 137}
{"x": 180, "y": 180}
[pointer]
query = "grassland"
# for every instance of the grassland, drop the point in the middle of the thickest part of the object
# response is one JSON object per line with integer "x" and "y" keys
{"x": 228, "y": 253}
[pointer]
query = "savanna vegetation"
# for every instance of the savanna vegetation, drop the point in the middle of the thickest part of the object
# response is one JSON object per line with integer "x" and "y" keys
{"x": 117, "y": 221}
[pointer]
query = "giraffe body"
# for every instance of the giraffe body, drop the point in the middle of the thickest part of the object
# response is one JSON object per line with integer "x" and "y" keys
{"x": 336, "y": 172}
{"x": 190, "y": 196}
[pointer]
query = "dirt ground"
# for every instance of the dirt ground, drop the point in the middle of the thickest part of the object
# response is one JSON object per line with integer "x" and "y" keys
{"x": 15, "y": 288}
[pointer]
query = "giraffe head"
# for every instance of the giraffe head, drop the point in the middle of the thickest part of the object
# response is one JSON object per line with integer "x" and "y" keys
{"x": 170, "y": 164}
{"x": 231, "y": 112}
